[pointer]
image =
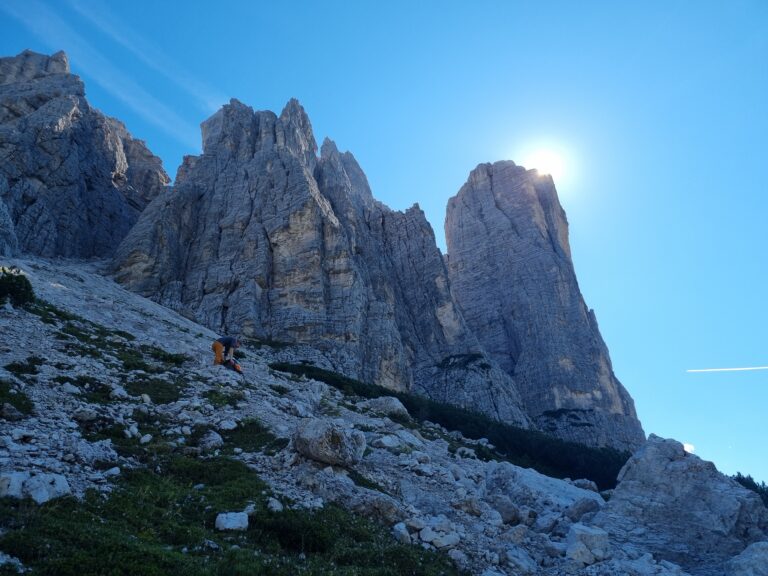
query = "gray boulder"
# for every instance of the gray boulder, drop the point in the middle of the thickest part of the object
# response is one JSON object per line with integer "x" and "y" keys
{"x": 753, "y": 561}
{"x": 72, "y": 181}
{"x": 329, "y": 442}
{"x": 681, "y": 509}
{"x": 40, "y": 487}
{"x": 512, "y": 276}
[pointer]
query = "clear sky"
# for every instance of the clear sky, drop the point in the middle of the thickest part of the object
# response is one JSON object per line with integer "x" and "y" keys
{"x": 659, "y": 108}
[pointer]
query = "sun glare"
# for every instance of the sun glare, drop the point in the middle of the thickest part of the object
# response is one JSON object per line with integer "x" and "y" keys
{"x": 546, "y": 161}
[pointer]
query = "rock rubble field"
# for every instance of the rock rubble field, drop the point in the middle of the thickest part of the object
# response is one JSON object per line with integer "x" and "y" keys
{"x": 112, "y": 377}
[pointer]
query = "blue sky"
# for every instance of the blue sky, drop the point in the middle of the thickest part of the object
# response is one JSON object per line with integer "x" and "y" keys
{"x": 659, "y": 107}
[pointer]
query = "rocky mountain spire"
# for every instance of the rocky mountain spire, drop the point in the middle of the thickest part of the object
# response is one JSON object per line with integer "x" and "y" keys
{"x": 261, "y": 237}
{"x": 72, "y": 181}
{"x": 511, "y": 273}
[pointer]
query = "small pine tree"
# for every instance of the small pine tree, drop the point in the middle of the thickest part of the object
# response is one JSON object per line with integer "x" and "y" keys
{"x": 748, "y": 482}
{"x": 15, "y": 286}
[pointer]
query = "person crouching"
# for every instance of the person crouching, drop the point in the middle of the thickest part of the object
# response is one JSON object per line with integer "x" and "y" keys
{"x": 224, "y": 349}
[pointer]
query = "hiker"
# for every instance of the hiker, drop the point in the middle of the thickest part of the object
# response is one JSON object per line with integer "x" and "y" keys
{"x": 224, "y": 350}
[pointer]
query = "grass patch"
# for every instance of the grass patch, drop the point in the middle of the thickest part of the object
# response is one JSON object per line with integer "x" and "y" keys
{"x": 26, "y": 368}
{"x": 132, "y": 359}
{"x": 161, "y": 355}
{"x": 364, "y": 482}
{"x": 156, "y": 522}
{"x": 281, "y": 390}
{"x": 159, "y": 390}
{"x": 219, "y": 398}
{"x": 15, "y": 398}
{"x": 93, "y": 390}
{"x": 49, "y": 313}
{"x": 527, "y": 448}
{"x": 252, "y": 436}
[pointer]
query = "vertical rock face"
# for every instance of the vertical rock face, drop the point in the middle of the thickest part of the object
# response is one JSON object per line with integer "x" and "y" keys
{"x": 511, "y": 274}
{"x": 72, "y": 181}
{"x": 262, "y": 237}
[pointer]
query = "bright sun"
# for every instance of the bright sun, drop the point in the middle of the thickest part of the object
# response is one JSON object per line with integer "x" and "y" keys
{"x": 546, "y": 161}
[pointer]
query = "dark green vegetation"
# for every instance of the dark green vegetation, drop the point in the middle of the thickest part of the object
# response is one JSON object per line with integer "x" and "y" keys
{"x": 15, "y": 287}
{"x": 18, "y": 400}
{"x": 528, "y": 448}
{"x": 161, "y": 521}
{"x": 27, "y": 368}
{"x": 251, "y": 435}
{"x": 159, "y": 390}
{"x": 220, "y": 398}
{"x": 94, "y": 391}
{"x": 748, "y": 482}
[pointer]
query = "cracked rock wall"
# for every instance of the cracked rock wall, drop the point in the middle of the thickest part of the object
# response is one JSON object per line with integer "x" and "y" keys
{"x": 72, "y": 181}
{"x": 260, "y": 236}
{"x": 512, "y": 276}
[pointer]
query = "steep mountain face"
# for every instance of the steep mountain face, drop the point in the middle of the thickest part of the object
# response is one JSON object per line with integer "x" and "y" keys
{"x": 261, "y": 237}
{"x": 512, "y": 276}
{"x": 72, "y": 181}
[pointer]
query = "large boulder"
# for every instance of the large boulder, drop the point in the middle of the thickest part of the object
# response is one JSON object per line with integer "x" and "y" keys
{"x": 40, "y": 487}
{"x": 72, "y": 181}
{"x": 681, "y": 509}
{"x": 753, "y": 561}
{"x": 329, "y": 442}
{"x": 512, "y": 276}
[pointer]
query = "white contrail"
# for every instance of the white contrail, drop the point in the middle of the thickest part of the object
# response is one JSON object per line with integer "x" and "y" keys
{"x": 729, "y": 369}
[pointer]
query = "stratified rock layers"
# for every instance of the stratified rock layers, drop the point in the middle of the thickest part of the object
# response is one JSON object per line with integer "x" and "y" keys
{"x": 261, "y": 237}
{"x": 72, "y": 181}
{"x": 512, "y": 276}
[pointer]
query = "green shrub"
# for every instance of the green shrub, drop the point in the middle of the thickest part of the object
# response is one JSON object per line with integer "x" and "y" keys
{"x": 15, "y": 287}
{"x": 18, "y": 400}
{"x": 527, "y": 448}
{"x": 29, "y": 367}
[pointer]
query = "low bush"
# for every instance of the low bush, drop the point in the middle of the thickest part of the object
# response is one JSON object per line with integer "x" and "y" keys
{"x": 15, "y": 287}
{"x": 28, "y": 368}
{"x": 527, "y": 448}
{"x": 15, "y": 398}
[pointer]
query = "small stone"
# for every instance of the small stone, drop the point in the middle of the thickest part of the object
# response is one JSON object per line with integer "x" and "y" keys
{"x": 232, "y": 521}
{"x": 227, "y": 425}
{"x": 146, "y": 399}
{"x": 274, "y": 505}
{"x": 427, "y": 535}
{"x": 69, "y": 388}
{"x": 146, "y": 439}
{"x": 448, "y": 540}
{"x": 112, "y": 472}
{"x": 401, "y": 533}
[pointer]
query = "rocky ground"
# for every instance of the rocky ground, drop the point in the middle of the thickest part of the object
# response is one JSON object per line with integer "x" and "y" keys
{"x": 109, "y": 374}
